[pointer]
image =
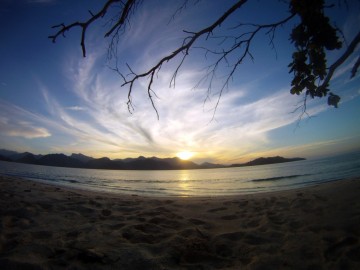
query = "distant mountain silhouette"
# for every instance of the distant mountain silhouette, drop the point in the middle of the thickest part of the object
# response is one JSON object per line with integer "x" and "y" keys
{"x": 15, "y": 155}
{"x": 7, "y": 153}
{"x": 271, "y": 160}
{"x": 267, "y": 160}
{"x": 5, "y": 158}
{"x": 27, "y": 158}
{"x": 60, "y": 160}
{"x": 81, "y": 157}
{"x": 104, "y": 163}
{"x": 207, "y": 165}
{"x": 140, "y": 163}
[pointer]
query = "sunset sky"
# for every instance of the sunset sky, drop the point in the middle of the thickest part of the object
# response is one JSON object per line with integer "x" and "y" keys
{"x": 52, "y": 100}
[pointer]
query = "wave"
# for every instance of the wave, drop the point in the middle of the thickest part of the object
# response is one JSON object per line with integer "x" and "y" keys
{"x": 278, "y": 178}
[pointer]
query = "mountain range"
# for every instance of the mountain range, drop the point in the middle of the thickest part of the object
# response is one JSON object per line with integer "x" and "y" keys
{"x": 140, "y": 163}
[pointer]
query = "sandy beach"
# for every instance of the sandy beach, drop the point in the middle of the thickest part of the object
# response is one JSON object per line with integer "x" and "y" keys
{"x": 48, "y": 227}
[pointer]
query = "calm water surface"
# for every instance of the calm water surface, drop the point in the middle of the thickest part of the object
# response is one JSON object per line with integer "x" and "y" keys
{"x": 210, "y": 182}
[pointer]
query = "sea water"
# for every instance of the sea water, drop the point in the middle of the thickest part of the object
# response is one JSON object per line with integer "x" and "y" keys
{"x": 205, "y": 182}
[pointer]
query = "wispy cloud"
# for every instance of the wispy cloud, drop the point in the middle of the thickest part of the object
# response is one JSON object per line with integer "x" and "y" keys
{"x": 99, "y": 118}
{"x": 72, "y": 125}
{"x": 17, "y": 122}
{"x": 91, "y": 116}
{"x": 75, "y": 108}
{"x": 23, "y": 129}
{"x": 185, "y": 121}
{"x": 316, "y": 149}
{"x": 100, "y": 121}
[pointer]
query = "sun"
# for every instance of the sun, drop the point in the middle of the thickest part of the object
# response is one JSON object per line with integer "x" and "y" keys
{"x": 184, "y": 155}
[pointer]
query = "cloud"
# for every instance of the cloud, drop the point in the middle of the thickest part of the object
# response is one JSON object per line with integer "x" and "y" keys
{"x": 345, "y": 68}
{"x": 16, "y": 122}
{"x": 186, "y": 121}
{"x": 25, "y": 130}
{"x": 75, "y": 108}
{"x": 79, "y": 129}
{"x": 101, "y": 118}
{"x": 316, "y": 149}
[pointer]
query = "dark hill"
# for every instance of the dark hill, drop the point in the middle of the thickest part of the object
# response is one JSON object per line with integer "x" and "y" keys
{"x": 140, "y": 163}
{"x": 267, "y": 161}
{"x": 60, "y": 160}
{"x": 3, "y": 158}
{"x": 104, "y": 163}
{"x": 81, "y": 157}
{"x": 29, "y": 158}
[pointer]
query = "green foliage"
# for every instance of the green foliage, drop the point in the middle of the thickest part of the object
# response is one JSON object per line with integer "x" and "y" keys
{"x": 311, "y": 37}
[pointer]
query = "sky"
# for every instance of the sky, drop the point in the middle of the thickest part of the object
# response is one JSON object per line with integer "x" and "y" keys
{"x": 53, "y": 100}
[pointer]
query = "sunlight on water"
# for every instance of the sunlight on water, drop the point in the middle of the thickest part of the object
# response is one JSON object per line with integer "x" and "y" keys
{"x": 184, "y": 185}
{"x": 184, "y": 175}
{"x": 210, "y": 182}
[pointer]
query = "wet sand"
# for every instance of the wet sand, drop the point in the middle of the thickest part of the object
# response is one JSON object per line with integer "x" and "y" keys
{"x": 48, "y": 227}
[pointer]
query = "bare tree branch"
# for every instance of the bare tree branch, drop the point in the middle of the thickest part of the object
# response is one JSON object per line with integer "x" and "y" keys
{"x": 123, "y": 17}
{"x": 243, "y": 40}
{"x": 302, "y": 107}
{"x": 235, "y": 48}
{"x": 187, "y": 44}
{"x": 127, "y": 7}
{"x": 182, "y": 7}
{"x": 341, "y": 60}
{"x": 355, "y": 68}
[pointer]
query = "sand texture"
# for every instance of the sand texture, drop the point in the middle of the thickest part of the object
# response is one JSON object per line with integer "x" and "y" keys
{"x": 47, "y": 227}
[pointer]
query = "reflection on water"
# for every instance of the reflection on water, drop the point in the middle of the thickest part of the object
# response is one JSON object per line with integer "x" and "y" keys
{"x": 184, "y": 185}
{"x": 210, "y": 182}
{"x": 184, "y": 175}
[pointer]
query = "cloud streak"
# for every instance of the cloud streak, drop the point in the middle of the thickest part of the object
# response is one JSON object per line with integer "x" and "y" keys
{"x": 17, "y": 122}
{"x": 185, "y": 121}
{"x": 98, "y": 117}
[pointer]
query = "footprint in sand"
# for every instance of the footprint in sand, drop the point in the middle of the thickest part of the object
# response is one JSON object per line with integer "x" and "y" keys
{"x": 205, "y": 225}
{"x": 106, "y": 212}
{"x": 339, "y": 247}
{"x": 197, "y": 221}
{"x": 253, "y": 223}
{"x": 166, "y": 223}
{"x": 229, "y": 217}
{"x": 145, "y": 233}
{"x": 73, "y": 234}
{"x": 234, "y": 236}
{"x": 42, "y": 234}
{"x": 255, "y": 239}
{"x": 217, "y": 209}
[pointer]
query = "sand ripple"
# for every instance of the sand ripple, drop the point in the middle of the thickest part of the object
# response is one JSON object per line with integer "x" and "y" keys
{"x": 46, "y": 227}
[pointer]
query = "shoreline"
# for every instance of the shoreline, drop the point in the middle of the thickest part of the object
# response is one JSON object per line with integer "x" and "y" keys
{"x": 235, "y": 181}
{"x": 44, "y": 226}
{"x": 90, "y": 191}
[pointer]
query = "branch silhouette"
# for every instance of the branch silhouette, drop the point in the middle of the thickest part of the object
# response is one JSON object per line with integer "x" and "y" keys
{"x": 313, "y": 36}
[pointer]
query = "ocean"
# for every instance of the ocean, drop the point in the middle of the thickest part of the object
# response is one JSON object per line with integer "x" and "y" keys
{"x": 205, "y": 182}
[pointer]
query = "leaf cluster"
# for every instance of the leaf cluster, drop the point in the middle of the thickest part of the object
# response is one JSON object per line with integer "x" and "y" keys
{"x": 311, "y": 37}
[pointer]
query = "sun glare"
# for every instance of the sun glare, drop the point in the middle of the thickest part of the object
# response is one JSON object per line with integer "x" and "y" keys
{"x": 185, "y": 155}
